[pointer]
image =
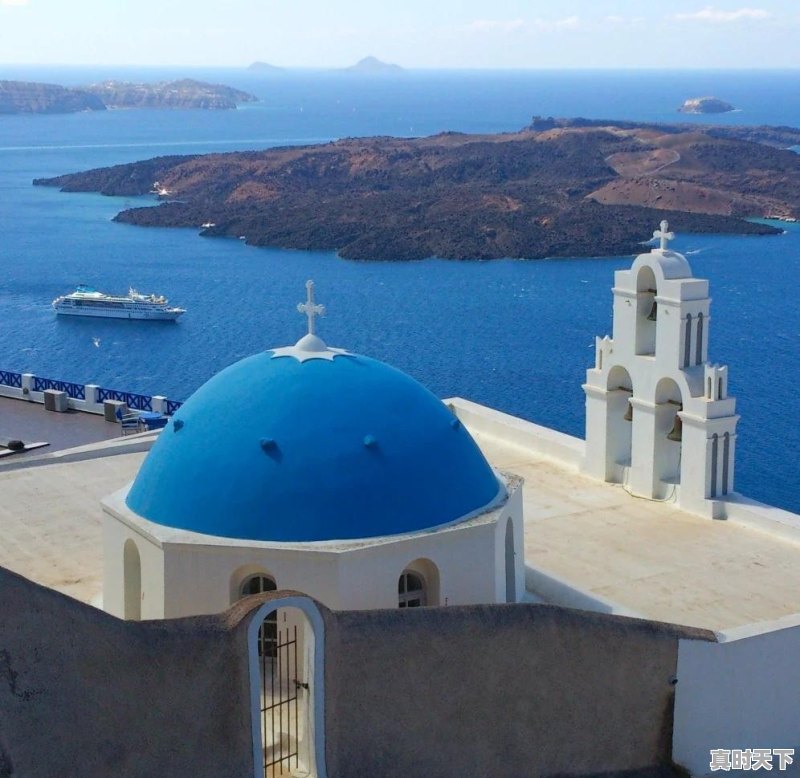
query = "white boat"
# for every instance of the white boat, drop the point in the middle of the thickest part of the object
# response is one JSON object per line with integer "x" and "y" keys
{"x": 85, "y": 301}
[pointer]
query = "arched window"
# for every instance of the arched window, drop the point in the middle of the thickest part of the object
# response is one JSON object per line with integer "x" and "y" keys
{"x": 132, "y": 577}
{"x": 268, "y": 634}
{"x": 511, "y": 568}
{"x": 257, "y": 584}
{"x": 719, "y": 388}
{"x": 726, "y": 453}
{"x": 411, "y": 590}
{"x": 687, "y": 342}
{"x": 699, "y": 355}
{"x": 714, "y": 463}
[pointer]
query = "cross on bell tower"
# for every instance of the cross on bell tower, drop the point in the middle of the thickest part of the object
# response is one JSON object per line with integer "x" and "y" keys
{"x": 664, "y": 235}
{"x": 310, "y": 308}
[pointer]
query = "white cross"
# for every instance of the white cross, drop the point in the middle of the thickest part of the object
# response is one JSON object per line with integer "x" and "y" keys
{"x": 664, "y": 235}
{"x": 310, "y": 309}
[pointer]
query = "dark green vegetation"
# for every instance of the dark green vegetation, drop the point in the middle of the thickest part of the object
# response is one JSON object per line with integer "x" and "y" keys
{"x": 559, "y": 188}
{"x": 29, "y": 97}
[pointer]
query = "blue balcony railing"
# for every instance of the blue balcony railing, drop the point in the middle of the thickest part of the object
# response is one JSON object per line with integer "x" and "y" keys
{"x": 75, "y": 391}
{"x": 136, "y": 402}
{"x": 172, "y": 406}
{"x": 11, "y": 379}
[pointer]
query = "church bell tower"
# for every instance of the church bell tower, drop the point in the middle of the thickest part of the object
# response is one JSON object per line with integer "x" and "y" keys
{"x": 658, "y": 417}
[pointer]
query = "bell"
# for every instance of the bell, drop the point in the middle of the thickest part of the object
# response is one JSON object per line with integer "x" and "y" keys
{"x": 628, "y": 412}
{"x": 653, "y": 312}
{"x": 676, "y": 433}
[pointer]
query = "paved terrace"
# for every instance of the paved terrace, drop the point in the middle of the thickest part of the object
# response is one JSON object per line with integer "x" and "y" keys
{"x": 648, "y": 557}
{"x": 31, "y": 423}
{"x": 50, "y": 517}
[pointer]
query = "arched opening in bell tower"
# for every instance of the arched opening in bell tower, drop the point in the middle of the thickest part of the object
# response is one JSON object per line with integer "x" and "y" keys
{"x": 646, "y": 312}
{"x": 668, "y": 448}
{"x": 619, "y": 423}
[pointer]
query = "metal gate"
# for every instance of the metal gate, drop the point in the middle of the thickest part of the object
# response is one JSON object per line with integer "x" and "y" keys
{"x": 280, "y": 692}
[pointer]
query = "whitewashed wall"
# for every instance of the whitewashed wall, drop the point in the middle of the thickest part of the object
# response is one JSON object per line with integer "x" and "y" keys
{"x": 194, "y": 574}
{"x": 151, "y": 558}
{"x": 541, "y": 441}
{"x": 742, "y": 692}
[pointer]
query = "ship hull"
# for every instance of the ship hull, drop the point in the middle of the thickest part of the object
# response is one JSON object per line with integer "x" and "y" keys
{"x": 119, "y": 314}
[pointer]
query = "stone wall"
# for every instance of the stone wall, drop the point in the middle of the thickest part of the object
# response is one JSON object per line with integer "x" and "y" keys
{"x": 84, "y": 695}
{"x": 519, "y": 690}
{"x": 455, "y": 692}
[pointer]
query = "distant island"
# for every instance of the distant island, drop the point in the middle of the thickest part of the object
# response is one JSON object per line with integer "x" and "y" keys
{"x": 30, "y": 97}
{"x": 185, "y": 93}
{"x": 264, "y": 67}
{"x": 367, "y": 65}
{"x": 557, "y": 188}
{"x": 373, "y": 65}
{"x": 706, "y": 105}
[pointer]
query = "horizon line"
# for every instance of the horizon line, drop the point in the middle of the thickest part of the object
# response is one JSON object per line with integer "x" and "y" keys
{"x": 408, "y": 69}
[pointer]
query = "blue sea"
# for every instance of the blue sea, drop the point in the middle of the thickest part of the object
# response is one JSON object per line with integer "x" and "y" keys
{"x": 516, "y": 335}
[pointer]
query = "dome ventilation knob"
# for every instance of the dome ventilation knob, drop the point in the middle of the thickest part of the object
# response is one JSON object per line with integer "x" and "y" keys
{"x": 370, "y": 441}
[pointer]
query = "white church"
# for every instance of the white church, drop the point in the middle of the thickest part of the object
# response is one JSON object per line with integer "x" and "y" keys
{"x": 314, "y": 469}
{"x": 311, "y": 469}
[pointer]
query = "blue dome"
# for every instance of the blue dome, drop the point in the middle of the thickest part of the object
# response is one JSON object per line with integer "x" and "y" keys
{"x": 277, "y": 449}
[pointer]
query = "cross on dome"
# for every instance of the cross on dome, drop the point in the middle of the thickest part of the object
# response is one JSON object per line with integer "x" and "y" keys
{"x": 312, "y": 309}
{"x": 310, "y": 346}
{"x": 664, "y": 235}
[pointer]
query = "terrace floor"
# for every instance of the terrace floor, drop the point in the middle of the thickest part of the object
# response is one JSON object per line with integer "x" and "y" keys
{"x": 650, "y": 558}
{"x": 31, "y": 423}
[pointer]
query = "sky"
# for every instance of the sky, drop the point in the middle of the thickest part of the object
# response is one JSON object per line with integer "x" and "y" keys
{"x": 412, "y": 33}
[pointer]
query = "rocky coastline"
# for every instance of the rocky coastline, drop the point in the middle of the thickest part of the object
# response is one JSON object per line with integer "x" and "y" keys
{"x": 560, "y": 188}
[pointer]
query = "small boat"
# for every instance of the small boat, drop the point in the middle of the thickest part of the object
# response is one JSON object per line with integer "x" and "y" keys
{"x": 86, "y": 301}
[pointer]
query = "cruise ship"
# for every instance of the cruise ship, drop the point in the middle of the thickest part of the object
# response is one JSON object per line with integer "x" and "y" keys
{"x": 86, "y": 301}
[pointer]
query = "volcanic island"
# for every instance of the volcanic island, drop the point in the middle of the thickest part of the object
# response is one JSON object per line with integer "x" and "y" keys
{"x": 557, "y": 188}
